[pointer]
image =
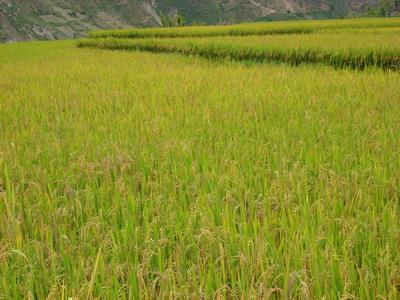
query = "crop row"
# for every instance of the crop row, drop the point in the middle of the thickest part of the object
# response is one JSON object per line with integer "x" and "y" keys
{"x": 361, "y": 58}
{"x": 262, "y": 28}
{"x": 385, "y": 39}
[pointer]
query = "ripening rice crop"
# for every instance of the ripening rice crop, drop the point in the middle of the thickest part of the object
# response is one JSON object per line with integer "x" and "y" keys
{"x": 371, "y": 39}
{"x": 357, "y": 44}
{"x": 134, "y": 175}
{"x": 357, "y": 58}
{"x": 271, "y": 28}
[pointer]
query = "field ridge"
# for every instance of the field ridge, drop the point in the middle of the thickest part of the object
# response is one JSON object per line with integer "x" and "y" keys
{"x": 261, "y": 28}
{"x": 351, "y": 58}
{"x": 205, "y": 42}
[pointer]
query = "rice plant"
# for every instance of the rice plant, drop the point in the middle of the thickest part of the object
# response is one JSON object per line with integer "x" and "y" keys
{"x": 134, "y": 175}
{"x": 356, "y": 58}
{"x": 353, "y": 43}
{"x": 269, "y": 28}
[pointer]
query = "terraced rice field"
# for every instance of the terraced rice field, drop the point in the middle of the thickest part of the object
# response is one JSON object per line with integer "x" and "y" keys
{"x": 269, "y": 28}
{"x": 263, "y": 173}
{"x": 341, "y": 44}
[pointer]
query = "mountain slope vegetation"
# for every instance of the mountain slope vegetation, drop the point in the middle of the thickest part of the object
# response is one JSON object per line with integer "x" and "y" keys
{"x": 56, "y": 19}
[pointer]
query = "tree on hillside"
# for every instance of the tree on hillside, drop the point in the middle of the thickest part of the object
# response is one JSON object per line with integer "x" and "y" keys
{"x": 386, "y": 7}
{"x": 168, "y": 21}
{"x": 341, "y": 9}
{"x": 180, "y": 21}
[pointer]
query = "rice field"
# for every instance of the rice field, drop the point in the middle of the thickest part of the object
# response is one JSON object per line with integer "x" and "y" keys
{"x": 380, "y": 39}
{"x": 341, "y": 57}
{"x": 141, "y": 175}
{"x": 339, "y": 44}
{"x": 266, "y": 28}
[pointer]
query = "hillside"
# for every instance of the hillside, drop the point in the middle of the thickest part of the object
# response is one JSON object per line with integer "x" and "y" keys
{"x": 55, "y": 19}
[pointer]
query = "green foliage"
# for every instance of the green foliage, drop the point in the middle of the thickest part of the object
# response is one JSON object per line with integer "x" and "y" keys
{"x": 341, "y": 9}
{"x": 180, "y": 20}
{"x": 168, "y": 21}
{"x": 386, "y": 7}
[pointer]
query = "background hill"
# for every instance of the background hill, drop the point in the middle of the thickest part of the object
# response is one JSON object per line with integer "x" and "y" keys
{"x": 55, "y": 19}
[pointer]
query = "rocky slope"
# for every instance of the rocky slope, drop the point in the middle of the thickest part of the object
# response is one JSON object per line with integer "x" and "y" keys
{"x": 56, "y": 19}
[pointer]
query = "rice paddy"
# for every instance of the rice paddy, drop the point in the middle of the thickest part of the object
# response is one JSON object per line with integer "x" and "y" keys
{"x": 340, "y": 44}
{"x": 269, "y": 28}
{"x": 141, "y": 175}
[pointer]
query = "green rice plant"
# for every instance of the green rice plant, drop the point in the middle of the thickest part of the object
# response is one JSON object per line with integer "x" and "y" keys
{"x": 387, "y": 59}
{"x": 382, "y": 39}
{"x": 358, "y": 44}
{"x": 130, "y": 175}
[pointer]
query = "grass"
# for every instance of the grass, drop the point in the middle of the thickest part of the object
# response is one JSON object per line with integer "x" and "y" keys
{"x": 135, "y": 175}
{"x": 267, "y": 28}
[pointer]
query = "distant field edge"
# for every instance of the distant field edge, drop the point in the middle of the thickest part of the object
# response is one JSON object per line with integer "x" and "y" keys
{"x": 260, "y": 28}
{"x": 360, "y": 59}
